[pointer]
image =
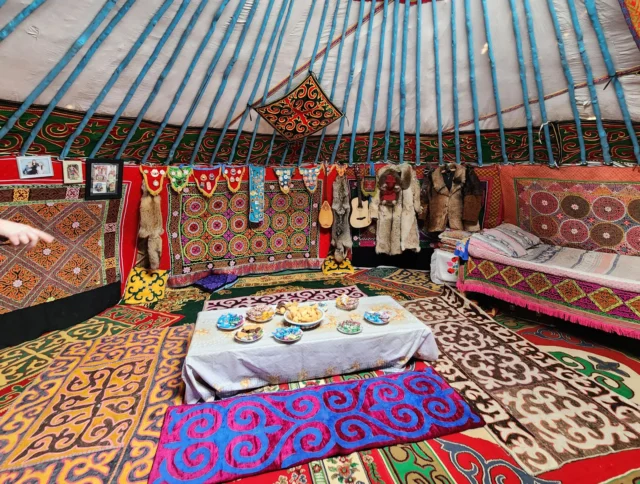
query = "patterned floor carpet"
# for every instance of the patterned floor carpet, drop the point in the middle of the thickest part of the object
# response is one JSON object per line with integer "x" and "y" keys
{"x": 527, "y": 369}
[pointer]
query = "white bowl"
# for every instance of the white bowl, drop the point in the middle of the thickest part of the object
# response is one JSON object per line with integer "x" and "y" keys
{"x": 309, "y": 325}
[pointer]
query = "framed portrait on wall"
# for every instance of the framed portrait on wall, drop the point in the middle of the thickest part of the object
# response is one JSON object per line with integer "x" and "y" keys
{"x": 104, "y": 179}
{"x": 34, "y": 167}
{"x": 72, "y": 172}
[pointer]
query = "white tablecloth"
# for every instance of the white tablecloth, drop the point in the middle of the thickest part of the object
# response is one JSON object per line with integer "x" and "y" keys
{"x": 218, "y": 366}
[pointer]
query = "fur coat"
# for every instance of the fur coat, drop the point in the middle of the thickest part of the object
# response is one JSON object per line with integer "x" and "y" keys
{"x": 340, "y": 230}
{"x": 395, "y": 205}
{"x": 151, "y": 228}
{"x": 457, "y": 208}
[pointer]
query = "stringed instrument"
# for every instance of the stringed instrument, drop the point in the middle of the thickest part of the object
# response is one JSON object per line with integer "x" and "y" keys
{"x": 325, "y": 218}
{"x": 360, "y": 218}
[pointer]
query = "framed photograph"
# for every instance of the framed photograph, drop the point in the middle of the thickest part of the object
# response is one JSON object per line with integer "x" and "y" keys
{"x": 104, "y": 179}
{"x": 72, "y": 172}
{"x": 34, "y": 167}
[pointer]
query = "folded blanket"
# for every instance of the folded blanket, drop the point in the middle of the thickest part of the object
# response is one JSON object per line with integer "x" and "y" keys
{"x": 524, "y": 238}
{"x": 493, "y": 240}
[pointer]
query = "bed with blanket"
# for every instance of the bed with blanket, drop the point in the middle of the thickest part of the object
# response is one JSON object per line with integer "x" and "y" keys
{"x": 596, "y": 289}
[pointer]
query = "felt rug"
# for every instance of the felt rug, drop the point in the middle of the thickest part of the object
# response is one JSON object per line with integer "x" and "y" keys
{"x": 249, "y": 435}
{"x": 304, "y": 295}
{"x": 19, "y": 365}
{"x": 541, "y": 411}
{"x": 96, "y": 412}
{"x": 410, "y": 283}
{"x": 83, "y": 256}
{"x": 215, "y": 233}
{"x": 283, "y": 279}
{"x": 602, "y": 213}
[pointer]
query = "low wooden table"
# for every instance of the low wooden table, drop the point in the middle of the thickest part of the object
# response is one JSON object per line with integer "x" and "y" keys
{"x": 217, "y": 366}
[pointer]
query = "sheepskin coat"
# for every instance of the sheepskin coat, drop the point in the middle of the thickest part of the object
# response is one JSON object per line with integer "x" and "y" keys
{"x": 341, "y": 231}
{"x": 458, "y": 207}
{"x": 397, "y": 223}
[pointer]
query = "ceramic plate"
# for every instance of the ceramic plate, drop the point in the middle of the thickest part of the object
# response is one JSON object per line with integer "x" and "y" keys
{"x": 249, "y": 335}
{"x": 350, "y": 327}
{"x": 229, "y": 322}
{"x": 288, "y": 335}
{"x": 256, "y": 319}
{"x": 377, "y": 317}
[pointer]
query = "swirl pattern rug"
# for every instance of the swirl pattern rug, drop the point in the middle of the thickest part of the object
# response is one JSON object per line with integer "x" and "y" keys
{"x": 248, "y": 435}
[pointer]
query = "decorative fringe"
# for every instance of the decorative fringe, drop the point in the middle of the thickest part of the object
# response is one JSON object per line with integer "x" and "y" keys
{"x": 549, "y": 308}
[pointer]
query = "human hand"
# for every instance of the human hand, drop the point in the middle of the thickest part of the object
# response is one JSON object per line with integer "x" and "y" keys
{"x": 20, "y": 234}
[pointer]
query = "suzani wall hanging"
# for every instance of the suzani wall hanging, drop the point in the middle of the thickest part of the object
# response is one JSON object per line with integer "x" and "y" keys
{"x": 301, "y": 113}
{"x": 216, "y": 233}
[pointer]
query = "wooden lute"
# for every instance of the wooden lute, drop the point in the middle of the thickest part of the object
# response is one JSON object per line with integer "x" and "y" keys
{"x": 325, "y": 218}
{"x": 359, "y": 208}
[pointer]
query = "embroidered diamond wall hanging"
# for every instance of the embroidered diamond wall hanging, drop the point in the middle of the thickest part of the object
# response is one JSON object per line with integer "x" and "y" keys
{"x": 302, "y": 112}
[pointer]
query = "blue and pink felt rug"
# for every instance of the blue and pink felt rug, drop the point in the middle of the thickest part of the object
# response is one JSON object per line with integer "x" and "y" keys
{"x": 253, "y": 434}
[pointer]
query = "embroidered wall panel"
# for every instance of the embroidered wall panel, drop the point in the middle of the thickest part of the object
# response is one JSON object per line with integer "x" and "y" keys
{"x": 215, "y": 233}
{"x": 84, "y": 255}
{"x": 591, "y": 208}
{"x": 62, "y": 123}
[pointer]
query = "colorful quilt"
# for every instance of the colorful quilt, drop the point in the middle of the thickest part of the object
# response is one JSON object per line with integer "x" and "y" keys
{"x": 215, "y": 233}
{"x": 583, "y": 302}
{"x": 19, "y": 365}
{"x": 302, "y": 112}
{"x": 96, "y": 412}
{"x": 249, "y": 435}
{"x": 591, "y": 208}
{"x": 84, "y": 256}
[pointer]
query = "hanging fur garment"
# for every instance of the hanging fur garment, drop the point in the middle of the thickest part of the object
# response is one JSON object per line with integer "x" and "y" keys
{"x": 151, "y": 227}
{"x": 395, "y": 206}
{"x": 341, "y": 231}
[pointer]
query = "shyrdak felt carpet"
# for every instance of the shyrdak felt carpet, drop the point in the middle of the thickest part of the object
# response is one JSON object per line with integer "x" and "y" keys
{"x": 19, "y": 365}
{"x": 409, "y": 283}
{"x": 252, "y": 434}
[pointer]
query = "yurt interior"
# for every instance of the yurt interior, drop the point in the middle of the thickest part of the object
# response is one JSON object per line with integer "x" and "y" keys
{"x": 320, "y": 241}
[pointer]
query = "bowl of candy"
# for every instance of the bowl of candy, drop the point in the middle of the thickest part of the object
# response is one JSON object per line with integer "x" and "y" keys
{"x": 229, "y": 322}
{"x": 346, "y": 303}
{"x": 249, "y": 334}
{"x": 377, "y": 317}
{"x": 287, "y": 335}
{"x": 350, "y": 326}
{"x": 262, "y": 313}
{"x": 305, "y": 317}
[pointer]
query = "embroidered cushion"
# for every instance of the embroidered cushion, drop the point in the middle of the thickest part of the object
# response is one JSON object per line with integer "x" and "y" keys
{"x": 495, "y": 241}
{"x": 145, "y": 286}
{"x": 302, "y": 112}
{"x": 216, "y": 281}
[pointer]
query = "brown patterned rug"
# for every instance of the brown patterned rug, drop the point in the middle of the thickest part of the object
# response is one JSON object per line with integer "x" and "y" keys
{"x": 542, "y": 412}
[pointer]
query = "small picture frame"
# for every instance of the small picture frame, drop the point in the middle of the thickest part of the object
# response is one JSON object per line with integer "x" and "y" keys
{"x": 104, "y": 179}
{"x": 72, "y": 172}
{"x": 34, "y": 167}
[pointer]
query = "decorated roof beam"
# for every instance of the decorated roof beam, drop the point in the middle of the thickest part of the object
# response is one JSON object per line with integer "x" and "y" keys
{"x": 376, "y": 93}
{"x": 569, "y": 77}
{"x": 363, "y": 74}
{"x": 245, "y": 77}
{"x": 392, "y": 76}
{"x": 337, "y": 71}
{"x": 523, "y": 77}
{"x": 178, "y": 94}
{"x": 592, "y": 90}
{"x": 418, "y": 67}
{"x": 268, "y": 83}
{"x": 316, "y": 46}
{"x": 225, "y": 77}
{"x": 115, "y": 75}
{"x": 436, "y": 56}
{"x": 472, "y": 78}
{"x": 494, "y": 80}
{"x": 207, "y": 78}
{"x": 539, "y": 83}
{"x": 403, "y": 77}
{"x": 454, "y": 84}
{"x": 354, "y": 55}
{"x": 611, "y": 70}
{"x": 163, "y": 75}
{"x": 93, "y": 48}
{"x": 141, "y": 75}
{"x": 60, "y": 65}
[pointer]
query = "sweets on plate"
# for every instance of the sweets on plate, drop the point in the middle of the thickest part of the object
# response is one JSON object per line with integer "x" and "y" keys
{"x": 288, "y": 335}
{"x": 350, "y": 326}
{"x": 261, "y": 313}
{"x": 249, "y": 334}
{"x": 346, "y": 303}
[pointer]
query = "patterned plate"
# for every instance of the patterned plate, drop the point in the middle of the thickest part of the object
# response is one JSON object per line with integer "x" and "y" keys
{"x": 229, "y": 322}
{"x": 255, "y": 313}
{"x": 350, "y": 327}
{"x": 288, "y": 335}
{"x": 377, "y": 317}
{"x": 249, "y": 334}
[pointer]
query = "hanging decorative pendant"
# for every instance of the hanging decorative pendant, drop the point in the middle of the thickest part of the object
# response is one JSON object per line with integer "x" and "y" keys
{"x": 310, "y": 177}
{"x": 233, "y": 175}
{"x": 153, "y": 178}
{"x": 207, "y": 179}
{"x": 369, "y": 186}
{"x": 285, "y": 174}
{"x": 256, "y": 193}
{"x": 179, "y": 177}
